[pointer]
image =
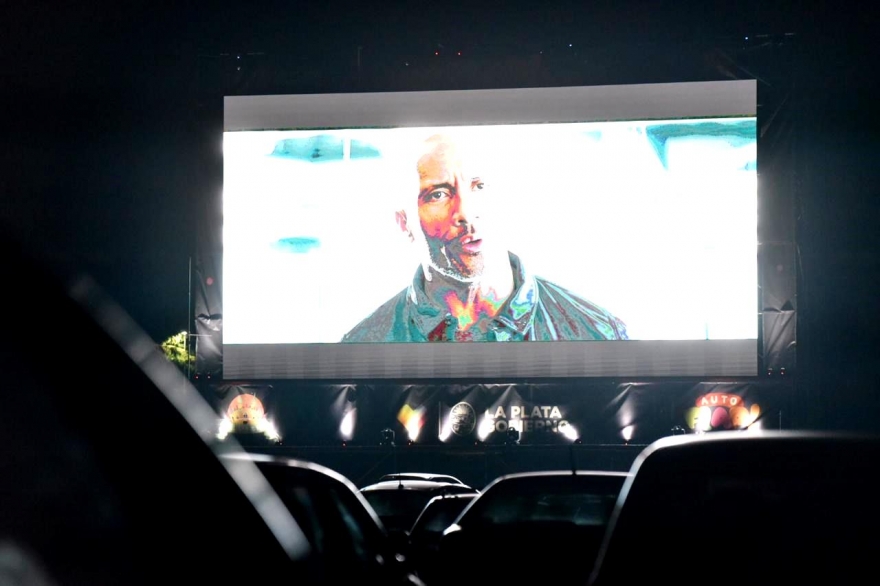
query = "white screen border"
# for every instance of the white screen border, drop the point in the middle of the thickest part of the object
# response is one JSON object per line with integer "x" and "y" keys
{"x": 647, "y": 358}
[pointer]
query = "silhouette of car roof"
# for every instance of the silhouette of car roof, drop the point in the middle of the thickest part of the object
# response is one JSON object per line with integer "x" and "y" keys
{"x": 399, "y": 502}
{"x": 421, "y": 476}
{"x": 419, "y": 485}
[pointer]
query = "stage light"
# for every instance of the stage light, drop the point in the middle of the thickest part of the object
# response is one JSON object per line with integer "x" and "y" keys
{"x": 568, "y": 431}
{"x": 387, "y": 436}
{"x": 446, "y": 429}
{"x": 412, "y": 420}
{"x": 704, "y": 420}
{"x": 627, "y": 433}
{"x": 267, "y": 428}
{"x": 512, "y": 436}
{"x": 487, "y": 425}
{"x": 346, "y": 427}
{"x": 414, "y": 425}
{"x": 225, "y": 428}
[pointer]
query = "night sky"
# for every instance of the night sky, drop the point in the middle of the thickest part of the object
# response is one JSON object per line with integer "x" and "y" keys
{"x": 111, "y": 135}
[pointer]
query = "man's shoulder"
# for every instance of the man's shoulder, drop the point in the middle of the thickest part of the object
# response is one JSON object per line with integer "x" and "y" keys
{"x": 383, "y": 325}
{"x": 587, "y": 319}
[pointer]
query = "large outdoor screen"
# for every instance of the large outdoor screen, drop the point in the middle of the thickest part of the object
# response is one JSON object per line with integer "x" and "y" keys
{"x": 589, "y": 231}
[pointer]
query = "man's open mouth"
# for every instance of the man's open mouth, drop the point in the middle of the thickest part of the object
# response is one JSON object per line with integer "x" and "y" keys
{"x": 471, "y": 245}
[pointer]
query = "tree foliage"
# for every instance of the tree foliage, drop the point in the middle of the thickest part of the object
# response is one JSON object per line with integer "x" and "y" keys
{"x": 177, "y": 351}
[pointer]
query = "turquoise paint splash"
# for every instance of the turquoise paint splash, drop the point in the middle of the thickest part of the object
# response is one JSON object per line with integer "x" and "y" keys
{"x": 297, "y": 244}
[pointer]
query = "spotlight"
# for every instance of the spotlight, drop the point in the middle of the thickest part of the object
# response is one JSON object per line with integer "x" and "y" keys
{"x": 387, "y": 437}
{"x": 512, "y": 436}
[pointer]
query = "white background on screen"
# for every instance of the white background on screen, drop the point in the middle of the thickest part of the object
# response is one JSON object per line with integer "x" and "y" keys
{"x": 669, "y": 249}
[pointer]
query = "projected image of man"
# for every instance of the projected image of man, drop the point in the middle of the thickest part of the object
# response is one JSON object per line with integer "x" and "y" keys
{"x": 469, "y": 286}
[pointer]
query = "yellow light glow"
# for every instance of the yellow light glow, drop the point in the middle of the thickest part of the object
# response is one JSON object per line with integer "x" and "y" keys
{"x": 412, "y": 420}
{"x": 404, "y": 414}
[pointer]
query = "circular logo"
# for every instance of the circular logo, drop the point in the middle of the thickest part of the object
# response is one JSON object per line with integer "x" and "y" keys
{"x": 464, "y": 418}
{"x": 245, "y": 410}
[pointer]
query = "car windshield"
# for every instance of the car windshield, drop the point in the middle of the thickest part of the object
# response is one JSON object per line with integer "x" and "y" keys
{"x": 398, "y": 509}
{"x": 578, "y": 500}
{"x": 440, "y": 514}
{"x": 582, "y": 509}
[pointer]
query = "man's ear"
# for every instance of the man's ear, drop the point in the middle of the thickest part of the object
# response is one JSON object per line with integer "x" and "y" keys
{"x": 400, "y": 218}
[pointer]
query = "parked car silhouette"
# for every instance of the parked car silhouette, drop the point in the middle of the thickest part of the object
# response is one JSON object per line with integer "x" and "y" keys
{"x": 760, "y": 508}
{"x": 347, "y": 536}
{"x": 536, "y": 518}
{"x": 426, "y": 532}
{"x": 399, "y": 502}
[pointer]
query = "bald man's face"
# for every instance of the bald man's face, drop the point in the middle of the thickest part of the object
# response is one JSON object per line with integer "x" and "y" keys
{"x": 450, "y": 204}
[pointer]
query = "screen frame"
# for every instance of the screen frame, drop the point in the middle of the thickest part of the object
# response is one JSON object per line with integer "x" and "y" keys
{"x": 631, "y": 358}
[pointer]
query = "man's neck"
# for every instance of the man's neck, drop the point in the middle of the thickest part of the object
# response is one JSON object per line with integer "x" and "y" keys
{"x": 473, "y": 303}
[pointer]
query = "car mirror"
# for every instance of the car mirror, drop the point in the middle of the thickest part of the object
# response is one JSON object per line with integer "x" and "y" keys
{"x": 451, "y": 542}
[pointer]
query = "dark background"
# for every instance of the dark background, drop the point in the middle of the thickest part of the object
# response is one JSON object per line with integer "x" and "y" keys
{"x": 110, "y": 158}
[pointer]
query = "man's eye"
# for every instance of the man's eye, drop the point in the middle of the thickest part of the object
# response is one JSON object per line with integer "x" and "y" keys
{"x": 437, "y": 195}
{"x": 477, "y": 185}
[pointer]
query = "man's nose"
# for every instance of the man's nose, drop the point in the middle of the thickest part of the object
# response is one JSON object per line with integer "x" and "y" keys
{"x": 467, "y": 210}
